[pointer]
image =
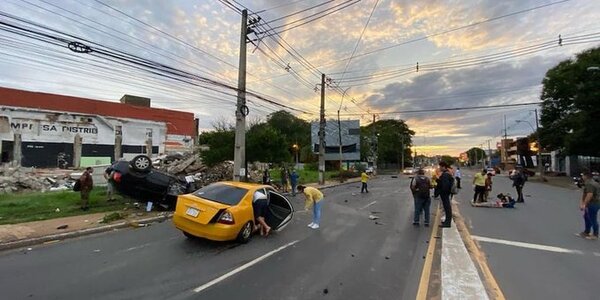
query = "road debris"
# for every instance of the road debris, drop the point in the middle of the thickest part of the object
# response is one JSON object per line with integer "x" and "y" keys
{"x": 65, "y": 226}
{"x": 373, "y": 217}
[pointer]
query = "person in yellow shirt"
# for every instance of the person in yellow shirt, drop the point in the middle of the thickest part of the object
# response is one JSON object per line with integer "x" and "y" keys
{"x": 479, "y": 182}
{"x": 314, "y": 198}
{"x": 364, "y": 178}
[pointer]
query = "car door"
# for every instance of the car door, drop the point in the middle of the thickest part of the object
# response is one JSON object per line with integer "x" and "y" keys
{"x": 280, "y": 211}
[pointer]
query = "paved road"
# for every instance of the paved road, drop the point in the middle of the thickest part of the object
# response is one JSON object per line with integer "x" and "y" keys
{"x": 532, "y": 250}
{"x": 350, "y": 257}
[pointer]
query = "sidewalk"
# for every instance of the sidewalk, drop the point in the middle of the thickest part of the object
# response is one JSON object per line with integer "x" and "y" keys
{"x": 37, "y": 232}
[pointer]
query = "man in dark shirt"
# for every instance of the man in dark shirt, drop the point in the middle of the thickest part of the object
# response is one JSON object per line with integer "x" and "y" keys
{"x": 590, "y": 204}
{"x": 444, "y": 188}
{"x": 87, "y": 183}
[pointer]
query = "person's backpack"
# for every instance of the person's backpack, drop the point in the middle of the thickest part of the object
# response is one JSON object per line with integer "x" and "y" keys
{"x": 77, "y": 186}
{"x": 421, "y": 187}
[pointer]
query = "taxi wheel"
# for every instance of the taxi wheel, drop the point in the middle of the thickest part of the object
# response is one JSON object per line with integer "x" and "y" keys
{"x": 245, "y": 234}
{"x": 189, "y": 236}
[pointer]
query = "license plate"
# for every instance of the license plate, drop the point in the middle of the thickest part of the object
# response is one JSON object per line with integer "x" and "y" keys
{"x": 192, "y": 212}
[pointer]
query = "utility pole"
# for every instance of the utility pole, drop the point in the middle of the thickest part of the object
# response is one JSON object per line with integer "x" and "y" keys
{"x": 374, "y": 141}
{"x": 239, "y": 155}
{"x": 489, "y": 152}
{"x": 504, "y": 145}
{"x": 322, "y": 134}
{"x": 402, "y": 168}
{"x": 539, "y": 154}
{"x": 340, "y": 143}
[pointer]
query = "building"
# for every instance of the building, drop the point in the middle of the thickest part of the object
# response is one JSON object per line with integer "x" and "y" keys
{"x": 48, "y": 130}
{"x": 350, "y": 137}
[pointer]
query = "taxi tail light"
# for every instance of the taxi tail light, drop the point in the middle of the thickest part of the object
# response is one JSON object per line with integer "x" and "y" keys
{"x": 116, "y": 176}
{"x": 226, "y": 218}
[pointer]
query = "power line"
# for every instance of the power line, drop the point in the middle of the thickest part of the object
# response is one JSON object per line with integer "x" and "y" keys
{"x": 450, "y": 109}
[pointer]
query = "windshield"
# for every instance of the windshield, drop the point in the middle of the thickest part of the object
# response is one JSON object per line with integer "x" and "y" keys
{"x": 222, "y": 193}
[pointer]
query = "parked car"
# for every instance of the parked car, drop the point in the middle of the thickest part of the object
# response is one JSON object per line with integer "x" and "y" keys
{"x": 408, "y": 171}
{"x": 139, "y": 180}
{"x": 222, "y": 211}
{"x": 369, "y": 170}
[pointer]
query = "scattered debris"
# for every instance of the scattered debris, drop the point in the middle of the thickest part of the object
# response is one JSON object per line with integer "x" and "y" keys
{"x": 394, "y": 176}
{"x": 29, "y": 249}
{"x": 353, "y": 194}
{"x": 352, "y": 255}
{"x": 62, "y": 226}
{"x": 325, "y": 291}
{"x": 112, "y": 217}
{"x": 373, "y": 217}
{"x": 346, "y": 201}
{"x": 97, "y": 250}
{"x": 377, "y": 223}
{"x": 387, "y": 257}
{"x": 57, "y": 210}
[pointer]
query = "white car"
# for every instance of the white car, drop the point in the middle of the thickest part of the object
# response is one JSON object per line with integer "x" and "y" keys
{"x": 408, "y": 171}
{"x": 369, "y": 170}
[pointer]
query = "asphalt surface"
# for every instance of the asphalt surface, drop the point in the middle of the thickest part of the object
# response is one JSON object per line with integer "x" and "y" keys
{"x": 550, "y": 262}
{"x": 349, "y": 257}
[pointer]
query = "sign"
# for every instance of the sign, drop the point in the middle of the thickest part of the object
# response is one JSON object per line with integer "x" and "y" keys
{"x": 47, "y": 128}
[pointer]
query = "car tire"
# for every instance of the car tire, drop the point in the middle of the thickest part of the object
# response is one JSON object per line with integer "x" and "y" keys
{"x": 141, "y": 163}
{"x": 189, "y": 235}
{"x": 245, "y": 233}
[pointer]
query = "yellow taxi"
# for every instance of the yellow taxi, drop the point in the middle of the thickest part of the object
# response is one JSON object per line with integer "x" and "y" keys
{"x": 222, "y": 211}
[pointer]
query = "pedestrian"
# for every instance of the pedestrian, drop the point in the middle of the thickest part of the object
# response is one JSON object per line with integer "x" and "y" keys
{"x": 87, "y": 183}
{"x": 284, "y": 179}
{"x": 260, "y": 207}
{"x": 266, "y": 176}
{"x": 488, "y": 186}
{"x": 294, "y": 181}
{"x": 110, "y": 183}
{"x": 590, "y": 204}
{"x": 479, "y": 183}
{"x": 314, "y": 198}
{"x": 444, "y": 189}
{"x": 364, "y": 178}
{"x": 519, "y": 179}
{"x": 420, "y": 187}
{"x": 458, "y": 177}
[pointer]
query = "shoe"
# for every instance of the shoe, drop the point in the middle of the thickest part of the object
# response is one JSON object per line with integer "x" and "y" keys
{"x": 311, "y": 224}
{"x": 315, "y": 226}
{"x": 583, "y": 235}
{"x": 416, "y": 223}
{"x": 591, "y": 237}
{"x": 426, "y": 224}
{"x": 445, "y": 226}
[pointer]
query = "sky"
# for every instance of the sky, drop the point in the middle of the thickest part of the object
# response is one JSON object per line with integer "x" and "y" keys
{"x": 469, "y": 54}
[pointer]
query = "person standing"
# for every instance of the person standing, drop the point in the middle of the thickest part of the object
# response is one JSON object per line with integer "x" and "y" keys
{"x": 488, "y": 186}
{"x": 87, "y": 183}
{"x": 519, "y": 179}
{"x": 458, "y": 177}
{"x": 444, "y": 188}
{"x": 479, "y": 182}
{"x": 364, "y": 178}
{"x": 420, "y": 187}
{"x": 266, "y": 177}
{"x": 314, "y": 198}
{"x": 294, "y": 181}
{"x": 590, "y": 204}
{"x": 110, "y": 184}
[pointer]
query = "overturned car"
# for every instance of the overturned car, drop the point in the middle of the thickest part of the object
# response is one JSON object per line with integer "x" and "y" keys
{"x": 138, "y": 179}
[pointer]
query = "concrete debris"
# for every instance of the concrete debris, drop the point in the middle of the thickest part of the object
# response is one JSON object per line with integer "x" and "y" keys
{"x": 373, "y": 217}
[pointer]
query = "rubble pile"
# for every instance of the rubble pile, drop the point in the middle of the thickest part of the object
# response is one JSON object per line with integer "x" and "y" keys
{"x": 17, "y": 179}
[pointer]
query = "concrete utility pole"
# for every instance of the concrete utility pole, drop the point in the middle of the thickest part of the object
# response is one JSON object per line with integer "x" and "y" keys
{"x": 489, "y": 152}
{"x": 17, "y": 150}
{"x": 239, "y": 155}
{"x": 402, "y": 150}
{"x": 539, "y": 154}
{"x": 322, "y": 134}
{"x": 375, "y": 141}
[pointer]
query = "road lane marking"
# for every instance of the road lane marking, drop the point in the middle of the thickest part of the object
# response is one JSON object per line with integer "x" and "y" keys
{"x": 241, "y": 268}
{"x": 426, "y": 274}
{"x": 368, "y": 205}
{"x": 526, "y": 245}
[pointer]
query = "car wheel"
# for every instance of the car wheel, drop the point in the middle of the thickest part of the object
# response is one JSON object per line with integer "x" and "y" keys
{"x": 141, "y": 163}
{"x": 245, "y": 234}
{"x": 189, "y": 236}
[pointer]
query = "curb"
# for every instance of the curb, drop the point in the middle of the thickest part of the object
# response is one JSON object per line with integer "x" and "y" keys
{"x": 78, "y": 233}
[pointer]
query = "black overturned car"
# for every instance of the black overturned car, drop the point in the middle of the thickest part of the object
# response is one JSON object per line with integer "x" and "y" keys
{"x": 138, "y": 179}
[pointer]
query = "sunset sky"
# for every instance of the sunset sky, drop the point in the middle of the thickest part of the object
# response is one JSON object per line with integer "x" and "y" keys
{"x": 470, "y": 53}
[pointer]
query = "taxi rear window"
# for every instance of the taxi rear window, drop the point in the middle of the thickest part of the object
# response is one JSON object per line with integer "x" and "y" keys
{"x": 222, "y": 193}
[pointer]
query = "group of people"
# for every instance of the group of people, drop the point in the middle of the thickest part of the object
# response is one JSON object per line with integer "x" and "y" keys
{"x": 444, "y": 185}
{"x": 286, "y": 176}
{"x": 483, "y": 186}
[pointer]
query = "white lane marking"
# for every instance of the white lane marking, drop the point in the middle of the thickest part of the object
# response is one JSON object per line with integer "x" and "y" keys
{"x": 241, "y": 268}
{"x": 368, "y": 205}
{"x": 527, "y": 245}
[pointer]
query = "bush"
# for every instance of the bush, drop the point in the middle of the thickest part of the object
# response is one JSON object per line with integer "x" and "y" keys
{"x": 313, "y": 166}
{"x": 346, "y": 174}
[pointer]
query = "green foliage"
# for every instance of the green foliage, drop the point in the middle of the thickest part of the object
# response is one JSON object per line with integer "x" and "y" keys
{"x": 220, "y": 142}
{"x": 570, "y": 109}
{"x": 475, "y": 155}
{"x": 448, "y": 159}
{"x": 265, "y": 143}
{"x": 391, "y": 136}
{"x": 359, "y": 167}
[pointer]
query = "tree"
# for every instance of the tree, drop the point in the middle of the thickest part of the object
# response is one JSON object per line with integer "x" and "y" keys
{"x": 266, "y": 144}
{"x": 475, "y": 155}
{"x": 570, "y": 109}
{"x": 448, "y": 159}
{"x": 391, "y": 135}
{"x": 220, "y": 143}
{"x": 293, "y": 129}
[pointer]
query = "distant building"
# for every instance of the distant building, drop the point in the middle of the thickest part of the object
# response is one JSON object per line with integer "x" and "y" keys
{"x": 350, "y": 131}
{"x": 63, "y": 131}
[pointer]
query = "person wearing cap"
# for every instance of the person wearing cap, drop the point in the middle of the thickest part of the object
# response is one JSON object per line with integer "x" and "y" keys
{"x": 519, "y": 179}
{"x": 590, "y": 204}
{"x": 314, "y": 198}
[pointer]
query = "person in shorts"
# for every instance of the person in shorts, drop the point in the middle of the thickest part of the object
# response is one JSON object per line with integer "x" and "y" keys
{"x": 260, "y": 206}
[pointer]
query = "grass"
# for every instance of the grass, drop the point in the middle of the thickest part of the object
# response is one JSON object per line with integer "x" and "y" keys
{"x": 37, "y": 206}
{"x": 306, "y": 176}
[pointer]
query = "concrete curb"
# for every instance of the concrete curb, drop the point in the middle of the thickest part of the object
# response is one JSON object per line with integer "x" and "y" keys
{"x": 78, "y": 233}
{"x": 123, "y": 224}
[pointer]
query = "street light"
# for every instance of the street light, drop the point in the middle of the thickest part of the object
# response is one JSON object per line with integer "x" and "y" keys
{"x": 296, "y": 148}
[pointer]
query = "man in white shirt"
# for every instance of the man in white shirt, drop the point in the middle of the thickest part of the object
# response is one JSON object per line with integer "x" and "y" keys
{"x": 458, "y": 176}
